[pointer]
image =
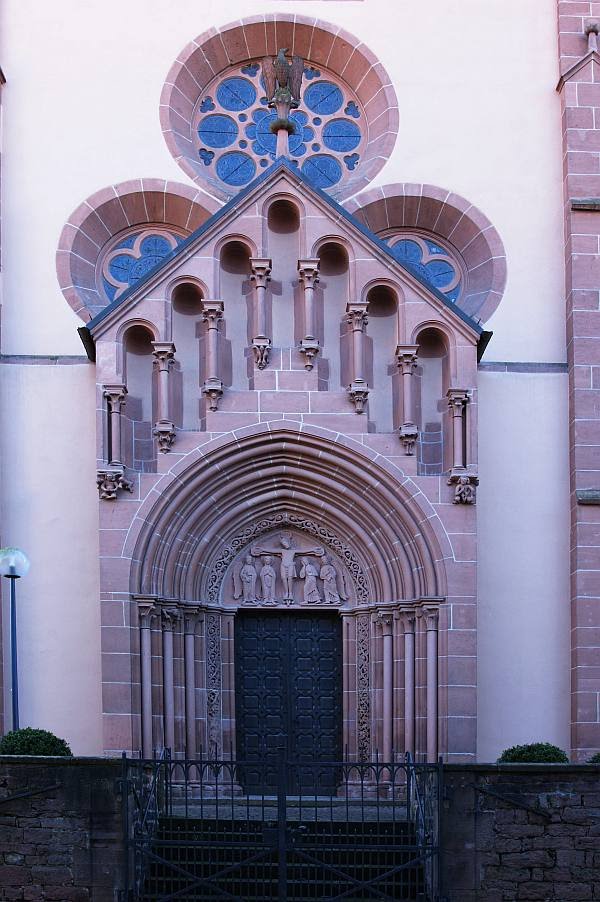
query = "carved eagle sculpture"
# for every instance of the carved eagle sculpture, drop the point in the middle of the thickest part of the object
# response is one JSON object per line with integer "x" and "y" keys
{"x": 281, "y": 77}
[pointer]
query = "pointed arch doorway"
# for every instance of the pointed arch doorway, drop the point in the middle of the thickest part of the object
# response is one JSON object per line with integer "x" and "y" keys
{"x": 288, "y": 699}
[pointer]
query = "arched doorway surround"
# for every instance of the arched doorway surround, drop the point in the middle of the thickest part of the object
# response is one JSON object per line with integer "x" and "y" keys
{"x": 327, "y": 496}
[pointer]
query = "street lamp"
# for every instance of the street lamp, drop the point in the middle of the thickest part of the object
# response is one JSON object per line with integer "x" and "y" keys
{"x": 13, "y": 565}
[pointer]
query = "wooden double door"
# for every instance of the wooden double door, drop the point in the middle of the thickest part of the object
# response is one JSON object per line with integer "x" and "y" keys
{"x": 288, "y": 697}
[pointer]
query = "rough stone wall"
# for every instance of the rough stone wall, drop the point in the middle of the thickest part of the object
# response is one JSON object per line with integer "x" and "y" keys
{"x": 60, "y": 829}
{"x": 521, "y": 832}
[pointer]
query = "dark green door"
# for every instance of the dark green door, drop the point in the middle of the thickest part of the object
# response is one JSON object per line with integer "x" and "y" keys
{"x": 288, "y": 691}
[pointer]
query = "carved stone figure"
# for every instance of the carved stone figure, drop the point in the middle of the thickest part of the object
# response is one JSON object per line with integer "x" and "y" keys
{"x": 248, "y": 579}
{"x": 329, "y": 575}
{"x": 283, "y": 80}
{"x": 287, "y": 552}
{"x": 464, "y": 493}
{"x": 309, "y": 574}
{"x": 267, "y": 580}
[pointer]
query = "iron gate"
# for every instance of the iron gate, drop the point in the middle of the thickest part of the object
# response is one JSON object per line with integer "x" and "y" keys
{"x": 192, "y": 832}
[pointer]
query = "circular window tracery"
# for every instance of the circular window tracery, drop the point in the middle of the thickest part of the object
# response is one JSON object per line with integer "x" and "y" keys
{"x": 232, "y": 128}
{"x": 128, "y": 260}
{"x": 434, "y": 262}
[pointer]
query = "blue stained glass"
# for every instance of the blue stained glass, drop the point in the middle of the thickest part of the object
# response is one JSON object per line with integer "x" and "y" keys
{"x": 352, "y": 110}
{"x": 242, "y": 117}
{"x": 206, "y": 156}
{"x": 407, "y": 251}
{"x": 265, "y": 141}
{"x": 251, "y": 69}
{"x": 299, "y": 151}
{"x": 322, "y": 170}
{"x": 236, "y": 168}
{"x": 323, "y": 97}
{"x": 155, "y": 244}
{"x": 264, "y": 163}
{"x": 317, "y": 120}
{"x": 243, "y": 144}
{"x": 310, "y": 73}
{"x": 127, "y": 242}
{"x": 217, "y": 130}
{"x": 351, "y": 161}
{"x": 236, "y": 94}
{"x": 440, "y": 273}
{"x": 127, "y": 269}
{"x": 315, "y": 147}
{"x": 207, "y": 104}
{"x": 341, "y": 135}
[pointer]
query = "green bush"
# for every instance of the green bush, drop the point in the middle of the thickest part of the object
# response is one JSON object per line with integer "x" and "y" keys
{"x": 534, "y": 753}
{"x": 595, "y": 759}
{"x": 33, "y": 742}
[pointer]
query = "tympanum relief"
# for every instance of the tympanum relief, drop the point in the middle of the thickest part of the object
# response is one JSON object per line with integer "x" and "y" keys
{"x": 286, "y": 569}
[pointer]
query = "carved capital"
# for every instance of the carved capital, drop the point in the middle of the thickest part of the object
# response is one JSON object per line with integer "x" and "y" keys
{"x": 191, "y": 615}
{"x": 111, "y": 480}
{"x": 147, "y": 609}
{"x": 261, "y": 271}
{"x": 212, "y": 313}
{"x": 356, "y": 315}
{"x": 308, "y": 272}
{"x": 309, "y": 348}
{"x": 213, "y": 389}
{"x": 164, "y": 433}
{"x": 385, "y": 619}
{"x": 457, "y": 399}
{"x": 431, "y": 617}
{"x": 408, "y": 436}
{"x": 163, "y": 352}
{"x": 464, "y": 483}
{"x": 406, "y": 358}
{"x": 170, "y": 616}
{"x": 591, "y": 30}
{"x": 115, "y": 395}
{"x": 260, "y": 348}
{"x": 408, "y": 618}
{"x": 359, "y": 393}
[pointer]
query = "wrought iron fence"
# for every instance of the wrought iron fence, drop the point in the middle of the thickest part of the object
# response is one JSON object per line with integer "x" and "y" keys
{"x": 200, "y": 829}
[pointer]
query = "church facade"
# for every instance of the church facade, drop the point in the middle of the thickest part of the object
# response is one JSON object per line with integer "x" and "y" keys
{"x": 300, "y": 433}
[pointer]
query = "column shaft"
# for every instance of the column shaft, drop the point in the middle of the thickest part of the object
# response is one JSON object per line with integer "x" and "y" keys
{"x": 432, "y": 688}
{"x": 168, "y": 682}
{"x": 145, "y": 612}
{"x": 409, "y": 684}
{"x": 190, "y": 694}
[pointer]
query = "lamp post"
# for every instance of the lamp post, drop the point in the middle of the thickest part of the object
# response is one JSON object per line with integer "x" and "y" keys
{"x": 13, "y": 565}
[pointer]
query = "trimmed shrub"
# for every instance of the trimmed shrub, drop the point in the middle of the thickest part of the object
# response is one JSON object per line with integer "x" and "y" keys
{"x": 595, "y": 759}
{"x": 33, "y": 742}
{"x": 534, "y": 753}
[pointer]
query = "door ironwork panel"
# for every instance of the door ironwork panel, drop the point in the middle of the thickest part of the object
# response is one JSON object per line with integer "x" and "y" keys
{"x": 288, "y": 682}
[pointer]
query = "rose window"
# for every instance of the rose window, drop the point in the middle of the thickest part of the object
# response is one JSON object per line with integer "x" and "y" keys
{"x": 232, "y": 128}
{"x": 435, "y": 263}
{"x": 132, "y": 257}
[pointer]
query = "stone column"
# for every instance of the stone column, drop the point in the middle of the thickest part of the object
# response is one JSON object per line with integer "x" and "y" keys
{"x": 308, "y": 272}
{"x": 212, "y": 314}
{"x": 356, "y": 316}
{"x": 111, "y": 478}
{"x": 170, "y": 617}
{"x": 408, "y": 620}
{"x": 164, "y": 429}
{"x": 146, "y": 611}
{"x": 261, "y": 343}
{"x": 190, "y": 619}
{"x": 431, "y": 625}
{"x": 406, "y": 358}
{"x": 386, "y": 622}
{"x": 115, "y": 395}
{"x": 463, "y": 478}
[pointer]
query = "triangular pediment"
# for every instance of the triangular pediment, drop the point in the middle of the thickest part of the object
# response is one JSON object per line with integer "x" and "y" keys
{"x": 281, "y": 179}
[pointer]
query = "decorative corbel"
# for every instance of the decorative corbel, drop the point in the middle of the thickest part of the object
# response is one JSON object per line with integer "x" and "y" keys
{"x": 111, "y": 480}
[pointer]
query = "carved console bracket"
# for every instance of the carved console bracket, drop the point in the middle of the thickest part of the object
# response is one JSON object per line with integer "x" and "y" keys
{"x": 408, "y": 436}
{"x": 164, "y": 433}
{"x": 359, "y": 392}
{"x": 309, "y": 348}
{"x": 464, "y": 486}
{"x": 213, "y": 389}
{"x": 110, "y": 480}
{"x": 261, "y": 347}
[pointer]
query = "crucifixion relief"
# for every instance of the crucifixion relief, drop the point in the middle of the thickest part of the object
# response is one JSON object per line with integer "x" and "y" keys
{"x": 306, "y": 574}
